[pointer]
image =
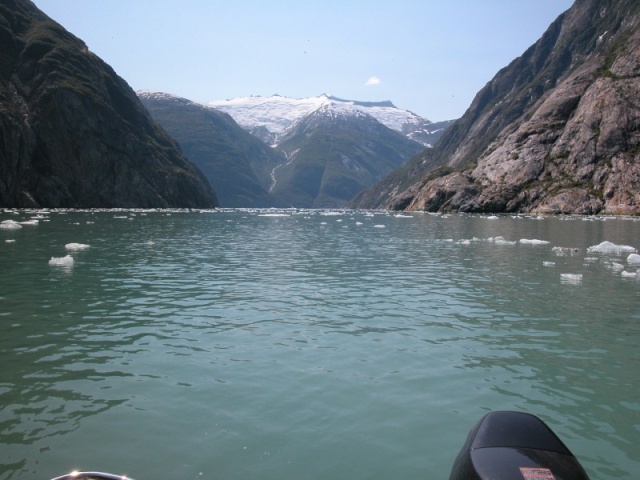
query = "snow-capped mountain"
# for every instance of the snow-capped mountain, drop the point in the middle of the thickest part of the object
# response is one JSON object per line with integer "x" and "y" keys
{"x": 269, "y": 118}
{"x": 311, "y": 153}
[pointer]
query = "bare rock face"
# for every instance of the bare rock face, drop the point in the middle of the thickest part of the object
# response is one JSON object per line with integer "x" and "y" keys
{"x": 557, "y": 131}
{"x": 73, "y": 133}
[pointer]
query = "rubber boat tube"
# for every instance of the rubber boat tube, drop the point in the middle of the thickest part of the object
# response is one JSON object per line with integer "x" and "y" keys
{"x": 91, "y": 476}
{"x": 515, "y": 445}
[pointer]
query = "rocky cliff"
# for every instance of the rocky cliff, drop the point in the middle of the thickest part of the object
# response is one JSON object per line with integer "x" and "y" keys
{"x": 556, "y": 131}
{"x": 73, "y": 133}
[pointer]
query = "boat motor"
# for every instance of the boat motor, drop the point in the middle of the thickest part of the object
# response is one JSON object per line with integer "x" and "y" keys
{"x": 515, "y": 445}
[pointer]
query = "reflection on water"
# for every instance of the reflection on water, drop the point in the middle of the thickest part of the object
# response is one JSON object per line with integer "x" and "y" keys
{"x": 351, "y": 345}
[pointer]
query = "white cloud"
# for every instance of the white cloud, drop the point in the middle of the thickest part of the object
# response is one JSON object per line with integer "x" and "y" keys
{"x": 372, "y": 81}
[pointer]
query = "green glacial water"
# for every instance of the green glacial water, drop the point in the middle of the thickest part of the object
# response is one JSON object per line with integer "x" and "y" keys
{"x": 299, "y": 344}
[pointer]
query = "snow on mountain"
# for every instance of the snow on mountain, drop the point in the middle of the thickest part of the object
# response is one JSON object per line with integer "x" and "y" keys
{"x": 276, "y": 114}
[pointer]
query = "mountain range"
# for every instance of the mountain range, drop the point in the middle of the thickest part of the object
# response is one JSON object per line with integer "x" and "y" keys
{"x": 556, "y": 131}
{"x": 269, "y": 117}
{"x": 308, "y": 153}
{"x": 73, "y": 133}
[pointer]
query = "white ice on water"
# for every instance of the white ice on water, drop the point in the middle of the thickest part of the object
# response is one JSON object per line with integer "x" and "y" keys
{"x": 76, "y": 247}
{"x": 61, "y": 261}
{"x": 10, "y": 225}
{"x": 533, "y": 241}
{"x": 572, "y": 278}
{"x": 633, "y": 259}
{"x": 611, "y": 248}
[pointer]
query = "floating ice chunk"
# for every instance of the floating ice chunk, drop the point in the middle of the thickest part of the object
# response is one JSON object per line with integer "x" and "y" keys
{"x": 502, "y": 241}
{"x": 611, "y": 248}
{"x": 562, "y": 251}
{"x": 274, "y": 215}
{"x": 76, "y": 247}
{"x": 616, "y": 267}
{"x": 10, "y": 240}
{"x": 633, "y": 259}
{"x": 379, "y": 226}
{"x": 572, "y": 278}
{"x": 533, "y": 241}
{"x": 61, "y": 261}
{"x": 10, "y": 225}
{"x": 629, "y": 274}
{"x": 492, "y": 217}
{"x": 33, "y": 221}
{"x": 403, "y": 216}
{"x": 549, "y": 264}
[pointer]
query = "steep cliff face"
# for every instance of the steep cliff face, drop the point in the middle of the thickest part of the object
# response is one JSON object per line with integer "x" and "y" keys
{"x": 73, "y": 133}
{"x": 557, "y": 131}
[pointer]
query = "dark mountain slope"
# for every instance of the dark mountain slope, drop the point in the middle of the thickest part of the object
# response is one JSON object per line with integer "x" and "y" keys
{"x": 332, "y": 154}
{"x": 73, "y": 133}
{"x": 557, "y": 131}
{"x": 237, "y": 164}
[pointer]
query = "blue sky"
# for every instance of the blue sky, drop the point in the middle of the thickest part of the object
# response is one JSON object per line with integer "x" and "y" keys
{"x": 427, "y": 56}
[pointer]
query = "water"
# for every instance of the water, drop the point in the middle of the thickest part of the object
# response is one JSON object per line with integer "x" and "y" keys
{"x": 309, "y": 345}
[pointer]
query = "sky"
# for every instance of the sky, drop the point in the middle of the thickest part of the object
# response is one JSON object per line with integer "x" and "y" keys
{"x": 427, "y": 56}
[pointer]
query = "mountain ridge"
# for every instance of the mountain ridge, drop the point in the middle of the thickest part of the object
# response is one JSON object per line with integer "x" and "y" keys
{"x": 322, "y": 160}
{"x": 269, "y": 117}
{"x": 73, "y": 133}
{"x": 555, "y": 131}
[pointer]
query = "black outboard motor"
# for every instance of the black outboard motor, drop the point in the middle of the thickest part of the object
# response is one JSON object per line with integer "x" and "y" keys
{"x": 515, "y": 445}
{"x": 91, "y": 476}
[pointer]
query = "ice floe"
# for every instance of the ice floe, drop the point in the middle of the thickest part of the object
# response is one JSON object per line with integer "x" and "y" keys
{"x": 533, "y": 241}
{"x": 571, "y": 278}
{"x": 501, "y": 241}
{"x": 611, "y": 248}
{"x": 616, "y": 267}
{"x": 61, "y": 261}
{"x": 10, "y": 225}
{"x": 76, "y": 247}
{"x": 549, "y": 264}
{"x": 633, "y": 259}
{"x": 626, "y": 274}
{"x": 562, "y": 251}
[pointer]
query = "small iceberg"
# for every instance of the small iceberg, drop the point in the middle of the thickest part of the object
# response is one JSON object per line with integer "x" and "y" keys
{"x": 33, "y": 221}
{"x": 502, "y": 241}
{"x": 10, "y": 225}
{"x": 61, "y": 261}
{"x": 626, "y": 274}
{"x": 527, "y": 241}
{"x": 616, "y": 267}
{"x": 611, "y": 248}
{"x": 571, "y": 278}
{"x": 633, "y": 259}
{"x": 76, "y": 247}
{"x": 549, "y": 264}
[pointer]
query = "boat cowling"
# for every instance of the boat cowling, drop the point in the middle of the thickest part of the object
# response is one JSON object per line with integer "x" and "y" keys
{"x": 515, "y": 445}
